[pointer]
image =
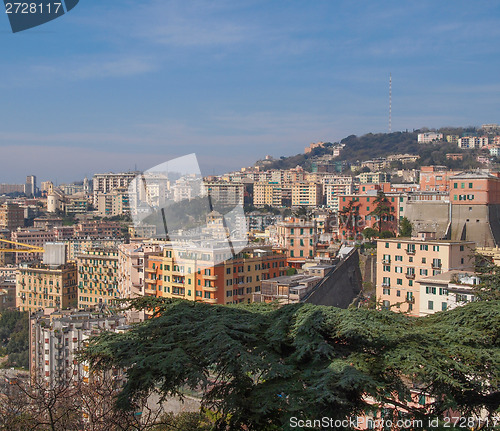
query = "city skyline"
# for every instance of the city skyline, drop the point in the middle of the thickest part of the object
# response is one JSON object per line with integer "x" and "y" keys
{"x": 115, "y": 86}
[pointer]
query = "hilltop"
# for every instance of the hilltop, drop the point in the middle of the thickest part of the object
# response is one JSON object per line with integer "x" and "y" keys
{"x": 375, "y": 145}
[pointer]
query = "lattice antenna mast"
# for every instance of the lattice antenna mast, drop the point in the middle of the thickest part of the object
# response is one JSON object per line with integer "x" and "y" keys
{"x": 390, "y": 103}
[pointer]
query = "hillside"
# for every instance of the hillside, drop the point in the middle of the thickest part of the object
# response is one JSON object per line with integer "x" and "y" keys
{"x": 370, "y": 146}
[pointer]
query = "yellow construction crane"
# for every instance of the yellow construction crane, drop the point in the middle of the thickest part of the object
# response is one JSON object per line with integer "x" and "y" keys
{"x": 25, "y": 248}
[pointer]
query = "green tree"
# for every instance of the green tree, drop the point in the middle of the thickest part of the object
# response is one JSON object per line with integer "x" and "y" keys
{"x": 405, "y": 227}
{"x": 349, "y": 218}
{"x": 382, "y": 210}
{"x": 369, "y": 233}
{"x": 259, "y": 365}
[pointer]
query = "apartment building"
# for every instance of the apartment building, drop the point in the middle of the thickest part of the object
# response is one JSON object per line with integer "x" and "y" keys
{"x": 299, "y": 238}
{"x": 113, "y": 203}
{"x": 270, "y": 193}
{"x": 435, "y": 178}
{"x": 132, "y": 262}
{"x": 189, "y": 273}
{"x": 11, "y": 216}
{"x": 40, "y": 285}
{"x": 374, "y": 177}
{"x": 34, "y": 237}
{"x": 446, "y": 291}
{"x": 468, "y": 142}
{"x": 333, "y": 191}
{"x": 98, "y": 229}
{"x": 55, "y": 338}
{"x": 7, "y": 294}
{"x": 475, "y": 203}
{"x": 106, "y": 183}
{"x": 77, "y": 246}
{"x": 227, "y": 194}
{"x": 306, "y": 194}
{"x": 426, "y": 138}
{"x": 364, "y": 205}
{"x": 403, "y": 262}
{"x": 97, "y": 277}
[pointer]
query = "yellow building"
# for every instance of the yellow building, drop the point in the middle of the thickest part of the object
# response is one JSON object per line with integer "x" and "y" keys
{"x": 46, "y": 286}
{"x": 403, "y": 262}
{"x": 306, "y": 194}
{"x": 97, "y": 277}
{"x": 267, "y": 193}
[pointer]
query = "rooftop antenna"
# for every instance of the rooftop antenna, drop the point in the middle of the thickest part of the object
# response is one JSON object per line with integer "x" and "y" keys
{"x": 390, "y": 102}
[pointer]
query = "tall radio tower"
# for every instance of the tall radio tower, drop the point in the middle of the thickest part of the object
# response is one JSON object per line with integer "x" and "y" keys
{"x": 390, "y": 103}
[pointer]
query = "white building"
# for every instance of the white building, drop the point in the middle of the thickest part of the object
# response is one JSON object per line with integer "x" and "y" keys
{"x": 469, "y": 142}
{"x": 55, "y": 338}
{"x": 425, "y": 138}
{"x": 446, "y": 291}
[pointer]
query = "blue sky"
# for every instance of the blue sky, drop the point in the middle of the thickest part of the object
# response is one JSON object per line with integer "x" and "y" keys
{"x": 118, "y": 83}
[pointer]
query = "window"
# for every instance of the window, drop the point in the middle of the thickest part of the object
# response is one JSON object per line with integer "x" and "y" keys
{"x": 423, "y": 260}
{"x": 470, "y": 185}
{"x": 399, "y": 245}
{"x": 444, "y": 306}
{"x": 462, "y": 248}
{"x": 430, "y": 305}
{"x": 435, "y": 248}
{"x": 399, "y": 281}
{"x": 423, "y": 272}
{"x": 398, "y": 293}
{"x": 386, "y": 282}
{"x": 398, "y": 269}
{"x": 386, "y": 291}
{"x": 455, "y": 185}
{"x": 398, "y": 258}
{"x": 386, "y": 245}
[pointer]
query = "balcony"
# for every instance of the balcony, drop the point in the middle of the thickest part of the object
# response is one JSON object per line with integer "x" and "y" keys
{"x": 386, "y": 284}
{"x": 410, "y": 276}
{"x": 210, "y": 288}
{"x": 436, "y": 266}
{"x": 211, "y": 277}
{"x": 410, "y": 251}
{"x": 386, "y": 261}
{"x": 210, "y": 300}
{"x": 151, "y": 270}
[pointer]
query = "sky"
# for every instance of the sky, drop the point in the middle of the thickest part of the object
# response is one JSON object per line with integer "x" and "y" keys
{"x": 116, "y": 85}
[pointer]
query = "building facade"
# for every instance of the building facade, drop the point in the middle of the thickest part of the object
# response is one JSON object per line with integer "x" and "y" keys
{"x": 46, "y": 286}
{"x": 97, "y": 278}
{"x": 189, "y": 273}
{"x": 403, "y": 262}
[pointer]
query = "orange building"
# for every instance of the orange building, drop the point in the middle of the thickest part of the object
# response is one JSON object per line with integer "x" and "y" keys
{"x": 365, "y": 204}
{"x": 435, "y": 178}
{"x": 475, "y": 188}
{"x": 189, "y": 273}
{"x": 299, "y": 237}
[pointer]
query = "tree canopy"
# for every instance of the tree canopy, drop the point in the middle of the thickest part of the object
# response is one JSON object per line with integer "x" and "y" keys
{"x": 259, "y": 365}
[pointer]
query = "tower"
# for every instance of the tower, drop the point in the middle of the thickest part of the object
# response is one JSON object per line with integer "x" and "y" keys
{"x": 390, "y": 103}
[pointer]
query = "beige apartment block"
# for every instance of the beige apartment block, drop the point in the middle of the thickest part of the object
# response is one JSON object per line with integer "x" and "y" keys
{"x": 306, "y": 194}
{"x": 40, "y": 286}
{"x": 403, "y": 262}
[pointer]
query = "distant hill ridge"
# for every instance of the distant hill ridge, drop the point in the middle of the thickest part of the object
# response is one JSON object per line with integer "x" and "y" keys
{"x": 374, "y": 145}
